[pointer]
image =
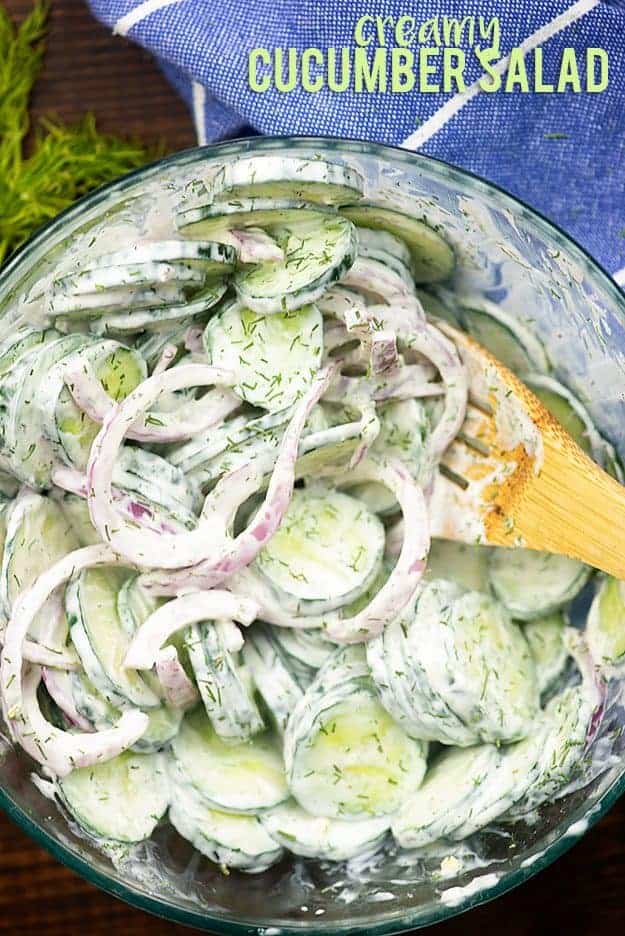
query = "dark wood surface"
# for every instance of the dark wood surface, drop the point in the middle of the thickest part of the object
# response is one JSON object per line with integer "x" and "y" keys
{"x": 583, "y": 894}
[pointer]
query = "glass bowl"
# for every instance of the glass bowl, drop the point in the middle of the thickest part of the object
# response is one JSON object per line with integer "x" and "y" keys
{"x": 512, "y": 256}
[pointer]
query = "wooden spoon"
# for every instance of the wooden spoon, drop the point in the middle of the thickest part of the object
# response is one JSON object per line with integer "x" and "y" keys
{"x": 514, "y": 477}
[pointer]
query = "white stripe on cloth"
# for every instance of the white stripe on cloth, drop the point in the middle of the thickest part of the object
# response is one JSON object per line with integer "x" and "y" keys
{"x": 125, "y": 23}
{"x": 199, "y": 116}
{"x": 619, "y": 277}
{"x": 445, "y": 113}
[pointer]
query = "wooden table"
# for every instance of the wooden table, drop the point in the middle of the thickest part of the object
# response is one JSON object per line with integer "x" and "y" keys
{"x": 583, "y": 894}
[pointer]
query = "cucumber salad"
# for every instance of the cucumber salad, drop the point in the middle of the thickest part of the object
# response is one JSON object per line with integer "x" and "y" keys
{"x": 221, "y": 604}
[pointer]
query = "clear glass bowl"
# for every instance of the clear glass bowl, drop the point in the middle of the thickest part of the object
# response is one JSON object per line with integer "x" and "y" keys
{"x": 514, "y": 257}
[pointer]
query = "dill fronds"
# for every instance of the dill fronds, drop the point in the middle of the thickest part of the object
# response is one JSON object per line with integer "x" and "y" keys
{"x": 64, "y": 162}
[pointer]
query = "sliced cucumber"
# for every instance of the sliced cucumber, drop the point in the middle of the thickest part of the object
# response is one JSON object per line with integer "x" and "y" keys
{"x": 274, "y": 680}
{"x": 532, "y": 584}
{"x": 157, "y": 480}
{"x": 306, "y": 651}
{"x": 605, "y": 629}
{"x": 235, "y": 436}
{"x": 121, "y": 800}
{"x": 142, "y": 319}
{"x": 110, "y": 301}
{"x": 506, "y": 337}
{"x": 319, "y": 837}
{"x": 432, "y": 257}
{"x": 100, "y": 279}
{"x": 345, "y": 757}
{"x": 465, "y": 565}
{"x": 545, "y": 637}
{"x": 29, "y": 455}
{"x": 386, "y": 249}
{"x": 435, "y": 307}
{"x": 297, "y": 177}
{"x": 24, "y": 338}
{"x": 274, "y": 357}
{"x": 446, "y": 797}
{"x": 216, "y": 220}
{"x": 76, "y": 512}
{"x": 212, "y": 258}
{"x": 231, "y": 840}
{"x": 243, "y": 777}
{"x": 71, "y": 431}
{"x": 326, "y": 552}
{"x": 37, "y": 535}
{"x": 91, "y": 605}
{"x": 317, "y": 253}
{"x": 456, "y": 670}
{"x": 224, "y": 685}
{"x": 94, "y": 704}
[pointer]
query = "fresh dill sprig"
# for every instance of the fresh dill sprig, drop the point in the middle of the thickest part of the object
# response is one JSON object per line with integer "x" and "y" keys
{"x": 63, "y": 162}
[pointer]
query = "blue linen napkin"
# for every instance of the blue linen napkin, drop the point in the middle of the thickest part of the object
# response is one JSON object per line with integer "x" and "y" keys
{"x": 562, "y": 153}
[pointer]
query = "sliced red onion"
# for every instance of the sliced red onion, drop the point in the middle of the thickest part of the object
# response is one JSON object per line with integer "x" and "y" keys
{"x": 406, "y": 382}
{"x": 189, "y": 418}
{"x": 59, "y": 687}
{"x": 136, "y": 512}
{"x": 193, "y": 339}
{"x": 254, "y": 245}
{"x": 58, "y": 750}
{"x": 141, "y": 546}
{"x": 375, "y": 279}
{"x": 178, "y": 689}
{"x": 62, "y": 751}
{"x": 230, "y": 555}
{"x": 65, "y": 659}
{"x": 383, "y": 354}
{"x": 168, "y": 355}
{"x": 179, "y": 613}
{"x": 48, "y": 646}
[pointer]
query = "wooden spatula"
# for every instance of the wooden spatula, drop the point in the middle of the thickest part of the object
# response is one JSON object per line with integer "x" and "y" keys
{"x": 515, "y": 477}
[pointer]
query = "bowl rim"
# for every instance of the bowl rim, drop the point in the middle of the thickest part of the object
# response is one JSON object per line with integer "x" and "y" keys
{"x": 398, "y": 921}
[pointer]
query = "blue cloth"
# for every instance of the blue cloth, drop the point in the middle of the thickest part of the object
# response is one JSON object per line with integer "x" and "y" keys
{"x": 562, "y": 153}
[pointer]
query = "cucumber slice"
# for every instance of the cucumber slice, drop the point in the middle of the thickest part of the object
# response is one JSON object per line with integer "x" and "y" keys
{"x": 456, "y": 670}
{"x": 605, "y": 629}
{"x": 432, "y": 259}
{"x": 386, "y": 249}
{"x": 100, "y": 279}
{"x": 37, "y": 535}
{"x": 317, "y": 253}
{"x": 446, "y": 797}
{"x": 91, "y": 606}
{"x": 22, "y": 339}
{"x": 233, "y": 437}
{"x": 120, "y": 370}
{"x": 110, "y": 301}
{"x": 232, "y": 840}
{"x": 154, "y": 317}
{"x": 121, "y": 800}
{"x": 436, "y": 308}
{"x": 29, "y": 455}
{"x": 274, "y": 357}
{"x": 273, "y": 678}
{"x": 345, "y": 757}
{"x": 506, "y": 337}
{"x": 135, "y": 605}
{"x": 296, "y": 177}
{"x": 318, "y": 837}
{"x": 404, "y": 428}
{"x": 210, "y": 257}
{"x": 545, "y": 637}
{"x": 215, "y": 220}
{"x": 571, "y": 414}
{"x": 305, "y": 651}
{"x": 94, "y": 705}
{"x": 461, "y": 563}
{"x": 326, "y": 552}
{"x": 532, "y": 584}
{"x": 241, "y": 777}
{"x": 76, "y": 512}
{"x": 224, "y": 685}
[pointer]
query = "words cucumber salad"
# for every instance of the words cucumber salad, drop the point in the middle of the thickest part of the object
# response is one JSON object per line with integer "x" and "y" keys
{"x": 222, "y": 608}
